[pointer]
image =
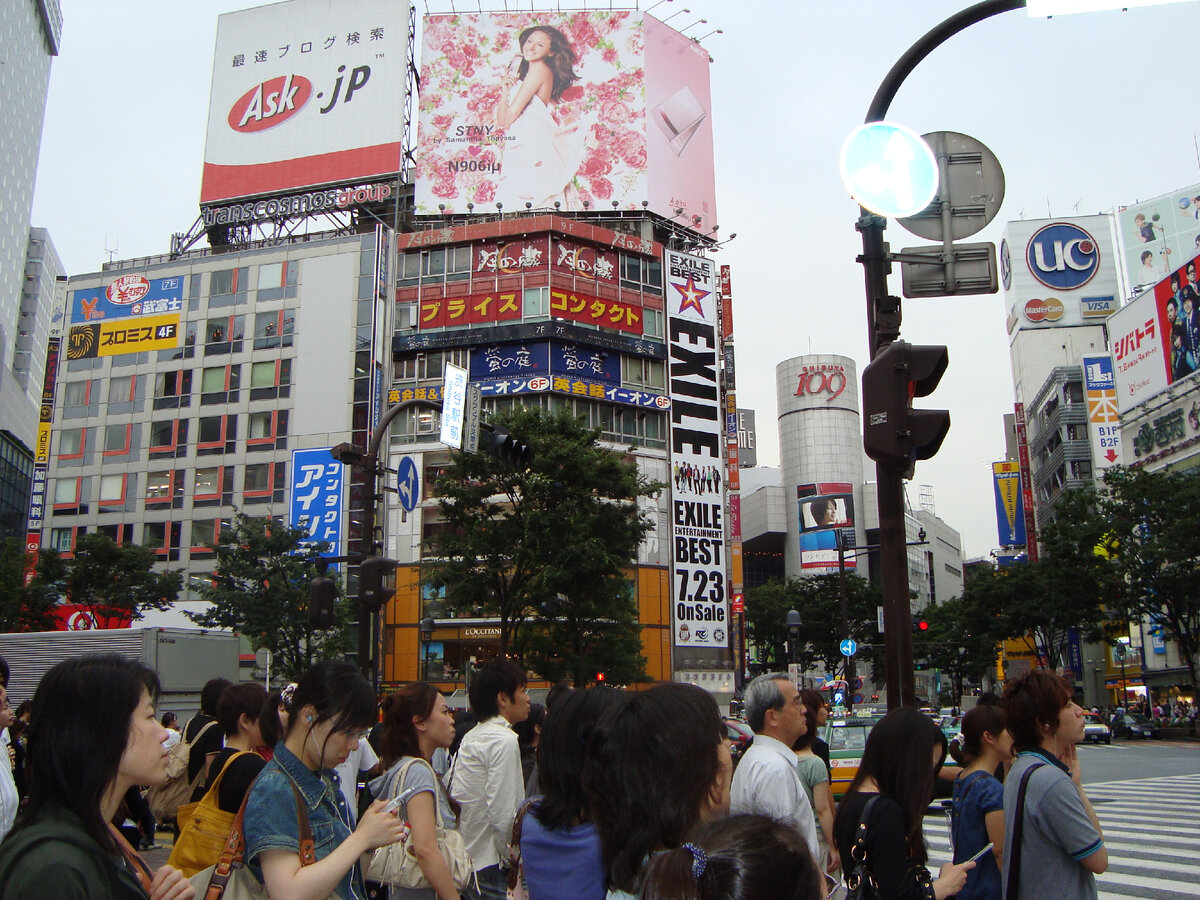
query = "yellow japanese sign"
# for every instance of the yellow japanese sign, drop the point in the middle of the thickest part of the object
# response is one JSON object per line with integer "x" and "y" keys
{"x": 133, "y": 335}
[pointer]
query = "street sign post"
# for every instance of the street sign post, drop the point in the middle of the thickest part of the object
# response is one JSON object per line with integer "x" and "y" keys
{"x": 454, "y": 401}
{"x": 848, "y": 647}
{"x": 889, "y": 169}
{"x": 407, "y": 484}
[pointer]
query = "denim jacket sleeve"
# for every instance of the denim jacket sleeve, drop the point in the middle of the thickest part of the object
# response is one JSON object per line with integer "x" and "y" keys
{"x": 270, "y": 821}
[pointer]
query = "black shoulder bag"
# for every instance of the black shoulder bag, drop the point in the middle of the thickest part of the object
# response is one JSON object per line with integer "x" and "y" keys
{"x": 1014, "y": 853}
{"x": 859, "y": 883}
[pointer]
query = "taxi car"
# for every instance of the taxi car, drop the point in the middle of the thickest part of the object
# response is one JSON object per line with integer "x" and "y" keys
{"x": 847, "y": 737}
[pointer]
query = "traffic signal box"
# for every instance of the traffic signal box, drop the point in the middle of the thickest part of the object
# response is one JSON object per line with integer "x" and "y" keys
{"x": 893, "y": 432}
{"x": 500, "y": 443}
{"x": 373, "y": 592}
{"x": 322, "y": 595}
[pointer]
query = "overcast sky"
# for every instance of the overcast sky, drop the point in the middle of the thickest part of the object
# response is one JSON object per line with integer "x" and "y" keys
{"x": 1085, "y": 113}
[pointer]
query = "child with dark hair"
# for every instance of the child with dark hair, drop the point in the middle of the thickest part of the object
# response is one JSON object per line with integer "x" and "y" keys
{"x": 1061, "y": 847}
{"x": 888, "y": 796}
{"x": 330, "y": 711}
{"x": 977, "y": 804}
{"x": 739, "y": 858}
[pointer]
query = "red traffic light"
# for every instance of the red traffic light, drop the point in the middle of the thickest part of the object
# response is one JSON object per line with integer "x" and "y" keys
{"x": 922, "y": 625}
{"x": 599, "y": 676}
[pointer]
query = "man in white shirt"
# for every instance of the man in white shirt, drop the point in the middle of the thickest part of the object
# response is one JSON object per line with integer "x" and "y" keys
{"x": 361, "y": 759}
{"x": 9, "y": 799}
{"x": 486, "y": 777}
{"x": 766, "y": 781}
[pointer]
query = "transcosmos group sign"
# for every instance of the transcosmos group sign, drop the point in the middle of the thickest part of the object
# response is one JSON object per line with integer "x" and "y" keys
{"x": 305, "y": 93}
{"x": 573, "y": 110}
{"x": 700, "y": 613}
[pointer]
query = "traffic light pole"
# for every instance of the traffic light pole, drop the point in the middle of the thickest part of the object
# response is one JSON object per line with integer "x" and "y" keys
{"x": 883, "y": 327}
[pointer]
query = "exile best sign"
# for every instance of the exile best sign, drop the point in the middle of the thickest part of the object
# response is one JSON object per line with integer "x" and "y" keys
{"x": 700, "y": 616}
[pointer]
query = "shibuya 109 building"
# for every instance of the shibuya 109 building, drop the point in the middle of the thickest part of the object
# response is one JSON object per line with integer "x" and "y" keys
{"x": 356, "y": 236}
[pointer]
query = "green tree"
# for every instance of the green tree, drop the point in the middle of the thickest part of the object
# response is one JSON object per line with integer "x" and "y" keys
{"x": 567, "y": 527}
{"x": 816, "y": 599}
{"x": 1136, "y": 539}
{"x": 952, "y": 646}
{"x": 114, "y": 582}
{"x": 259, "y": 588}
{"x": 1037, "y": 603}
{"x": 22, "y": 607}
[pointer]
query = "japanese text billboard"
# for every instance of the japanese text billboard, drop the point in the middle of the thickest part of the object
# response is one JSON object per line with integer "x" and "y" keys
{"x": 305, "y": 93}
{"x": 826, "y": 510}
{"x": 701, "y": 616}
{"x": 1104, "y": 421}
{"x": 123, "y": 336}
{"x": 1010, "y": 510}
{"x": 129, "y": 295}
{"x": 573, "y": 110}
{"x": 316, "y": 498}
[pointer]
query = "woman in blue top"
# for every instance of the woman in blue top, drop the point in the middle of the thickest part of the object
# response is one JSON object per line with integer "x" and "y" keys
{"x": 329, "y": 712}
{"x": 977, "y": 813}
{"x": 560, "y": 847}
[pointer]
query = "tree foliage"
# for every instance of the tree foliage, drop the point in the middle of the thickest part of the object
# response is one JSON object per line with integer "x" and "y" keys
{"x": 259, "y": 588}
{"x": 955, "y": 644}
{"x": 1137, "y": 541}
{"x": 514, "y": 542}
{"x": 114, "y": 582}
{"x": 821, "y": 632}
{"x": 22, "y": 607}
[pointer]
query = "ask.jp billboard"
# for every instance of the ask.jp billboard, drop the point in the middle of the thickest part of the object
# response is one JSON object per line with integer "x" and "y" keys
{"x": 700, "y": 613}
{"x": 573, "y": 110}
{"x": 305, "y": 93}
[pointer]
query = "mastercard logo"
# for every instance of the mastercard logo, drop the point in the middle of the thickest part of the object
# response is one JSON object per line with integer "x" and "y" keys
{"x": 1048, "y": 310}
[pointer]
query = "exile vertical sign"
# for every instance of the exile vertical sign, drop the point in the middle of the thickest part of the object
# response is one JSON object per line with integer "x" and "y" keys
{"x": 700, "y": 614}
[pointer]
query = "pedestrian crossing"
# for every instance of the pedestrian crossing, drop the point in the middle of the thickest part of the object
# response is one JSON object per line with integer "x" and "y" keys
{"x": 1151, "y": 829}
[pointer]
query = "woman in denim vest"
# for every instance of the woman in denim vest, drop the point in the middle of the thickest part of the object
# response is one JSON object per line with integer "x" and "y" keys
{"x": 329, "y": 713}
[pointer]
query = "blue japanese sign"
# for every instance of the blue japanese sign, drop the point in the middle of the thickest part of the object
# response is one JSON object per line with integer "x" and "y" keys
{"x": 585, "y": 362}
{"x": 129, "y": 295}
{"x": 510, "y": 360}
{"x": 316, "y": 497}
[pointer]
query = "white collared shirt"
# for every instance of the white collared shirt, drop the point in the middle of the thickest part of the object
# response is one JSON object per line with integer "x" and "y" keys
{"x": 766, "y": 783}
{"x": 486, "y": 779}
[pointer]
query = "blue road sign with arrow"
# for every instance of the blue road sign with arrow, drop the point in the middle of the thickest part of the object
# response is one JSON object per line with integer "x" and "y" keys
{"x": 407, "y": 484}
{"x": 848, "y": 647}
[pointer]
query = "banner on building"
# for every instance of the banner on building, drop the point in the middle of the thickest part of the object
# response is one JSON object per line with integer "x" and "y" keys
{"x": 826, "y": 513}
{"x": 123, "y": 336}
{"x": 1031, "y": 543}
{"x": 1104, "y": 420}
{"x": 128, "y": 295}
{"x": 700, "y": 610}
{"x": 620, "y": 115}
{"x": 315, "y": 498}
{"x": 1159, "y": 233}
{"x": 1010, "y": 510}
{"x": 305, "y": 93}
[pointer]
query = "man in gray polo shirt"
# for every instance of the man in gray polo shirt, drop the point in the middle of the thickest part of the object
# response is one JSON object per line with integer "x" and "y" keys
{"x": 766, "y": 781}
{"x": 1062, "y": 847}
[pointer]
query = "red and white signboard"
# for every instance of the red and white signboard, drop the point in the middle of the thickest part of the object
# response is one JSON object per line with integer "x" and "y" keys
{"x": 305, "y": 93}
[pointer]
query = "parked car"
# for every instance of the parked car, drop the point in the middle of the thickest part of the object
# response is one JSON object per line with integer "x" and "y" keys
{"x": 847, "y": 737}
{"x": 1133, "y": 725}
{"x": 1095, "y": 729}
{"x": 739, "y": 735}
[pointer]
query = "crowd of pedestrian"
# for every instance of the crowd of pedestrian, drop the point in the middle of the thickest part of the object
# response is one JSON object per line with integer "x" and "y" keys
{"x": 601, "y": 794}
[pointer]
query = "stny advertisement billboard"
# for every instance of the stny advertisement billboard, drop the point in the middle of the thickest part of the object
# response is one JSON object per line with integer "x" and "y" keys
{"x": 580, "y": 110}
{"x": 1159, "y": 234}
{"x": 1010, "y": 510}
{"x": 305, "y": 93}
{"x": 825, "y": 509}
{"x": 700, "y": 612}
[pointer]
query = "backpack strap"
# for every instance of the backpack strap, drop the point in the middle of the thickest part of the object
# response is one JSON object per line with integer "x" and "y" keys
{"x": 1014, "y": 854}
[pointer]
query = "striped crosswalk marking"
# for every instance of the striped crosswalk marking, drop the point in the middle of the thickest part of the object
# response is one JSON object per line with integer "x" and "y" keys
{"x": 1151, "y": 829}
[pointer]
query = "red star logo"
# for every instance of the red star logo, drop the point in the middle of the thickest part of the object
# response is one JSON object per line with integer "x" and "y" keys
{"x": 692, "y": 296}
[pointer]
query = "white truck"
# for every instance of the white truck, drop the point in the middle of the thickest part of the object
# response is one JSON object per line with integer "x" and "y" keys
{"x": 184, "y": 658}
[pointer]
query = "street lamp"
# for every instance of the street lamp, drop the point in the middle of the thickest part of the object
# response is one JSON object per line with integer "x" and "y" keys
{"x": 793, "y": 627}
{"x": 426, "y": 628}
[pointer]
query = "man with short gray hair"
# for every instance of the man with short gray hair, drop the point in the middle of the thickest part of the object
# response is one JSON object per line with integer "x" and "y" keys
{"x": 766, "y": 781}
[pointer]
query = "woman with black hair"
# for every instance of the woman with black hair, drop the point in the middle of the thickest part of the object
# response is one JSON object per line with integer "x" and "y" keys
{"x": 977, "y": 807}
{"x": 529, "y": 733}
{"x": 94, "y": 735}
{"x": 330, "y": 710}
{"x": 888, "y": 797}
{"x": 416, "y": 722}
{"x": 560, "y": 847}
{"x": 658, "y": 764}
{"x": 739, "y": 858}
{"x": 539, "y": 160}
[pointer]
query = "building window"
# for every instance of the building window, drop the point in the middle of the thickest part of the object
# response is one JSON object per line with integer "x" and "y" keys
{"x": 72, "y": 443}
{"x": 224, "y": 335}
{"x": 277, "y": 280}
{"x": 172, "y": 389}
{"x": 164, "y": 487}
{"x": 535, "y": 303}
{"x": 641, "y": 274}
{"x": 75, "y": 393}
{"x": 219, "y": 384}
{"x": 212, "y": 486}
{"x": 66, "y": 491}
{"x": 120, "y": 388}
{"x": 274, "y": 329}
{"x": 62, "y": 539}
{"x": 652, "y": 323}
{"x": 168, "y": 438}
{"x": 270, "y": 379}
{"x": 226, "y": 282}
{"x": 264, "y": 482}
{"x": 216, "y": 434}
{"x": 112, "y": 488}
{"x": 116, "y": 439}
{"x": 266, "y": 428}
{"x": 408, "y": 269}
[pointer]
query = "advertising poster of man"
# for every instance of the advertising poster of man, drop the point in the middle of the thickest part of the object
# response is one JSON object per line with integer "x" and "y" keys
{"x": 825, "y": 509}
{"x": 564, "y": 110}
{"x": 1177, "y": 299}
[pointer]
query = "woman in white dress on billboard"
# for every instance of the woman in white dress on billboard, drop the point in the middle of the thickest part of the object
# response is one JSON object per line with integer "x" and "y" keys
{"x": 540, "y": 159}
